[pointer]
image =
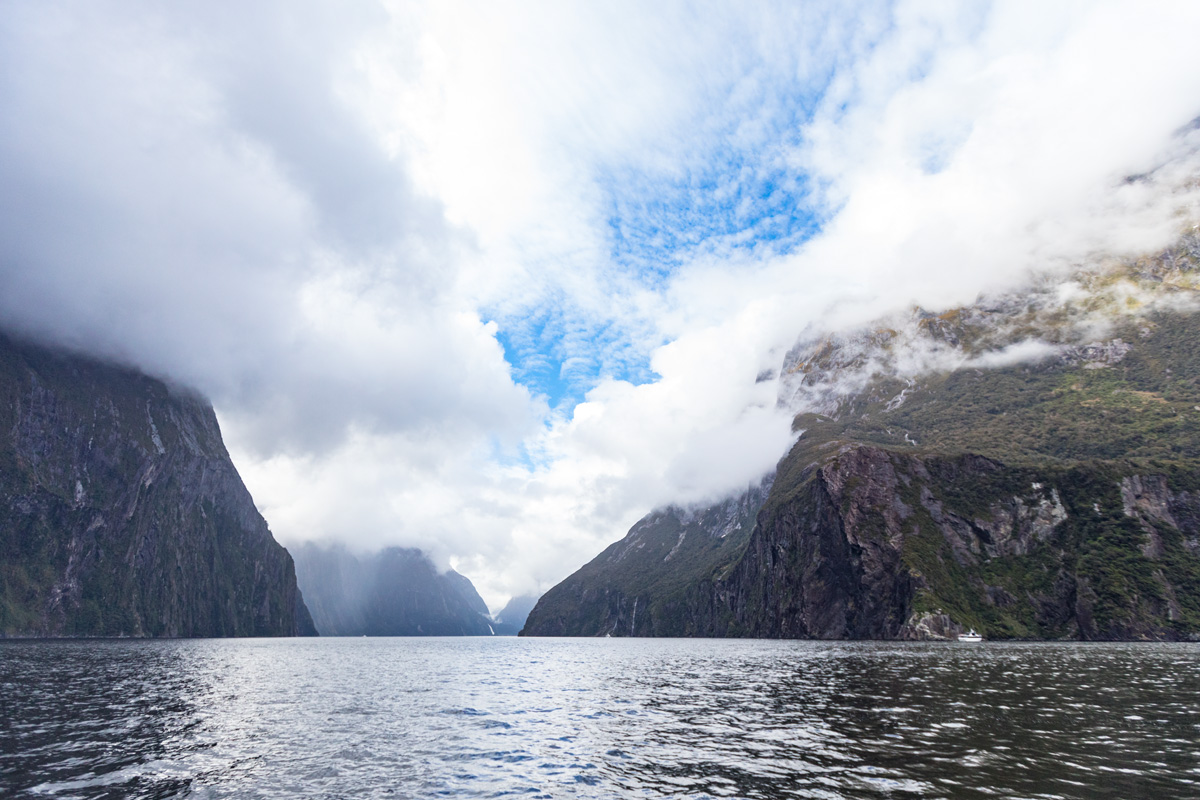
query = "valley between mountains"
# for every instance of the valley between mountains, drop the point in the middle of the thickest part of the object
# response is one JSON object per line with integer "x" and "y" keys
{"x": 1028, "y": 466}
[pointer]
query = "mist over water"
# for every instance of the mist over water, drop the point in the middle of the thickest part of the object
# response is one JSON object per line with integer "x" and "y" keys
{"x": 483, "y": 717}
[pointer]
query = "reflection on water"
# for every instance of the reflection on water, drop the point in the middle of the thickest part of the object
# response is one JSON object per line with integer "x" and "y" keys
{"x": 596, "y": 718}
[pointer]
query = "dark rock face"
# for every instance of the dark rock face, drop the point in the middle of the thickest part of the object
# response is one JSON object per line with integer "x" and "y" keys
{"x": 121, "y": 513}
{"x": 827, "y": 564}
{"x": 875, "y": 544}
{"x": 466, "y": 590}
{"x": 640, "y": 586}
{"x": 396, "y": 592}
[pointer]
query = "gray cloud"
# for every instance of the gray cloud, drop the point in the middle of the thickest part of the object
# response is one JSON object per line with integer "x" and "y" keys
{"x": 183, "y": 187}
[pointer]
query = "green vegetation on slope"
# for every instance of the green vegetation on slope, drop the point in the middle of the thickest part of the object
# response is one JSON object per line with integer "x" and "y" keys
{"x": 1144, "y": 407}
{"x": 1081, "y": 429}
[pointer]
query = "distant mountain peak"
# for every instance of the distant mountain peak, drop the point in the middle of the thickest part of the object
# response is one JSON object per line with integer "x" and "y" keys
{"x": 396, "y": 591}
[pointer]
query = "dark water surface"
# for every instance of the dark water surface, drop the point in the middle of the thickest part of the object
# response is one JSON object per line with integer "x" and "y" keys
{"x": 342, "y": 718}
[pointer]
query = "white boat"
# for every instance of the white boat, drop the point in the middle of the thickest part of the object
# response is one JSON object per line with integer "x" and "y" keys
{"x": 970, "y": 636}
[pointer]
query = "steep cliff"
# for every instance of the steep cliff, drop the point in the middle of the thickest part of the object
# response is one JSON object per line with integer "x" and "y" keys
{"x": 121, "y": 513}
{"x": 872, "y": 543}
{"x": 395, "y": 592}
{"x": 1028, "y": 466}
{"x": 643, "y": 585}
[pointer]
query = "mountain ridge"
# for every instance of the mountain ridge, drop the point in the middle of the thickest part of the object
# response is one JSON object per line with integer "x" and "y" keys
{"x": 1079, "y": 396}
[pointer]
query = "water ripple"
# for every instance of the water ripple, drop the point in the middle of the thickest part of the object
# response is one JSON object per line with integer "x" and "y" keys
{"x": 341, "y": 718}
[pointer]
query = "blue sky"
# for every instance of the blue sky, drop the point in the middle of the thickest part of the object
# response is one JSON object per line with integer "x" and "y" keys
{"x": 656, "y": 225}
{"x": 723, "y": 187}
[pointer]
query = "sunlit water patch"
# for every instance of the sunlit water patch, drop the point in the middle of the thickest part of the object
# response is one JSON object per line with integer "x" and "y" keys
{"x": 340, "y": 718}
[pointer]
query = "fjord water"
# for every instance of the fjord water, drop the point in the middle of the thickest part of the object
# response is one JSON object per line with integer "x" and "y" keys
{"x": 483, "y": 717}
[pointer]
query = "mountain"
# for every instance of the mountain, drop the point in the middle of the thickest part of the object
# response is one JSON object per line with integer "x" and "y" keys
{"x": 466, "y": 590}
{"x": 395, "y": 592}
{"x": 1028, "y": 466}
{"x": 642, "y": 585}
{"x": 121, "y": 513}
{"x": 511, "y": 618}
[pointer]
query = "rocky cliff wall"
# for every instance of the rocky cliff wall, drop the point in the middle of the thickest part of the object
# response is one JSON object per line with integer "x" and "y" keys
{"x": 871, "y": 543}
{"x": 642, "y": 585}
{"x": 879, "y": 544}
{"x": 121, "y": 513}
{"x": 1056, "y": 497}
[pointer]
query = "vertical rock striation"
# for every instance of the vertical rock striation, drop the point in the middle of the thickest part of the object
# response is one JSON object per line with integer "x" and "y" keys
{"x": 121, "y": 513}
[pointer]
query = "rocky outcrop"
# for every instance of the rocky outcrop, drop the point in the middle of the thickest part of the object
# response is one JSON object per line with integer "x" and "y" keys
{"x": 121, "y": 513}
{"x": 1149, "y": 500}
{"x": 1096, "y": 355}
{"x": 930, "y": 626}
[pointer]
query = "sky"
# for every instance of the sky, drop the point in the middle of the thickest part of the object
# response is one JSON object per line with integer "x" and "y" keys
{"x": 496, "y": 279}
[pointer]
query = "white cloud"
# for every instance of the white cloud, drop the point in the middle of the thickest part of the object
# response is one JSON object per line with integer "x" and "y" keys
{"x": 1047, "y": 109}
{"x": 1027, "y": 351}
